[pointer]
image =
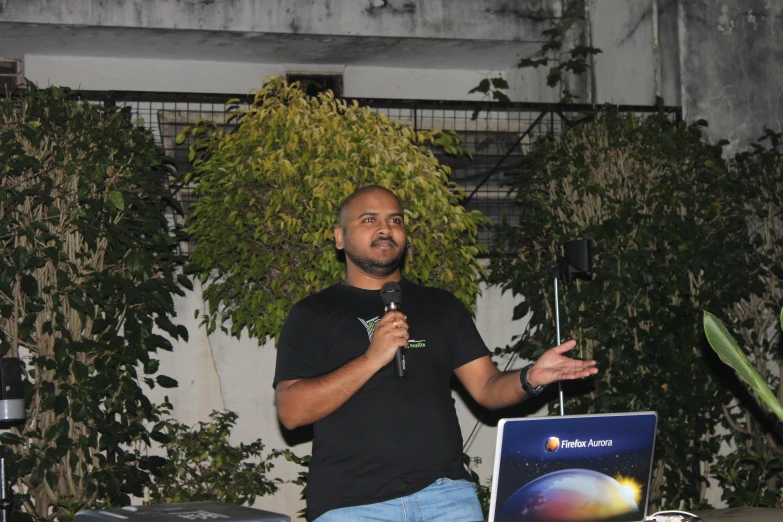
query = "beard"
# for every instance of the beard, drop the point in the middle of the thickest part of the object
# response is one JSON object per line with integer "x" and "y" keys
{"x": 380, "y": 267}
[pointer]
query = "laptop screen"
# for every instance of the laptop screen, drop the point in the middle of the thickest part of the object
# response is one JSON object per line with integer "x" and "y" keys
{"x": 573, "y": 468}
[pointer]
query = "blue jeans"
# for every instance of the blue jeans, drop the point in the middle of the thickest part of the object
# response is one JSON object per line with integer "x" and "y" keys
{"x": 444, "y": 500}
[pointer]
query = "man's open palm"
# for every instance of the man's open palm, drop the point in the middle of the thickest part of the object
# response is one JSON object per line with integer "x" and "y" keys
{"x": 553, "y": 366}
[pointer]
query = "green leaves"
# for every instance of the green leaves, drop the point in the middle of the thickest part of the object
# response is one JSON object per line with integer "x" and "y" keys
{"x": 90, "y": 262}
{"x": 492, "y": 88}
{"x": 116, "y": 199}
{"x": 204, "y": 466}
{"x": 482, "y": 87}
{"x": 670, "y": 238}
{"x": 268, "y": 197}
{"x": 730, "y": 353}
{"x": 10, "y": 438}
{"x": 745, "y": 475}
{"x": 166, "y": 382}
{"x": 746, "y": 478}
{"x": 554, "y": 50}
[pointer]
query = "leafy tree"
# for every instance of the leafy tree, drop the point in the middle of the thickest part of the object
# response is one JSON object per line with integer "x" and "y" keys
{"x": 268, "y": 191}
{"x": 202, "y": 465}
{"x": 263, "y": 224}
{"x": 87, "y": 276}
{"x": 670, "y": 239}
{"x": 556, "y": 54}
{"x": 751, "y": 474}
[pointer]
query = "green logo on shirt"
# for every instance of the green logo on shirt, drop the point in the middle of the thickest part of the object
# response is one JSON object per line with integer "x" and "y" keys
{"x": 370, "y": 326}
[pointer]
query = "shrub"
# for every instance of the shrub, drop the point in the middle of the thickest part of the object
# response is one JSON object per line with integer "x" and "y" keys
{"x": 263, "y": 224}
{"x": 202, "y": 465}
{"x": 751, "y": 474}
{"x": 669, "y": 238}
{"x": 87, "y": 276}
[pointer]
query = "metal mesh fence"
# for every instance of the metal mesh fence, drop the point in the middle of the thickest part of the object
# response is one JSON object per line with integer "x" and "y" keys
{"x": 496, "y": 135}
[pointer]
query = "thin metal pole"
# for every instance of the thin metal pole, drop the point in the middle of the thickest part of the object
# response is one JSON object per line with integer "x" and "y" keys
{"x": 5, "y": 497}
{"x": 557, "y": 325}
{"x": 656, "y": 49}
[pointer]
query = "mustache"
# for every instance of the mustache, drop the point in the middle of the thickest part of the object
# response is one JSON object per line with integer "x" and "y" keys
{"x": 386, "y": 239}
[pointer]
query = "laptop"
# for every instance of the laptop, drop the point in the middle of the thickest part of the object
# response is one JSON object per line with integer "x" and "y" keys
{"x": 573, "y": 468}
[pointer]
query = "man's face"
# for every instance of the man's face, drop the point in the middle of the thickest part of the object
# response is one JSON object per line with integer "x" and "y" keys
{"x": 372, "y": 233}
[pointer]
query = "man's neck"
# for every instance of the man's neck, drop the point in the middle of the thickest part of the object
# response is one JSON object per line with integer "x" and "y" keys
{"x": 366, "y": 281}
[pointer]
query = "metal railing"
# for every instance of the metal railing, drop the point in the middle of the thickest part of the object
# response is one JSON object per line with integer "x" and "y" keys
{"x": 496, "y": 134}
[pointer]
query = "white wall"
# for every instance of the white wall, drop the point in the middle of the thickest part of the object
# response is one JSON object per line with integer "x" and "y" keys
{"x": 141, "y": 74}
{"x": 218, "y": 371}
{"x": 137, "y": 74}
{"x": 624, "y": 71}
{"x": 443, "y": 19}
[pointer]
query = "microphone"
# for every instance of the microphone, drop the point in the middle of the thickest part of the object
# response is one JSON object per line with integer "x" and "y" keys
{"x": 391, "y": 297}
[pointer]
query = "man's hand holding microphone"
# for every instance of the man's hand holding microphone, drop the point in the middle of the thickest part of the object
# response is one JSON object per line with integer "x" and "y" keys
{"x": 391, "y": 333}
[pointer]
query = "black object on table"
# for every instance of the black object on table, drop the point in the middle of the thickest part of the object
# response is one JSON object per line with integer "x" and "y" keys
{"x": 184, "y": 512}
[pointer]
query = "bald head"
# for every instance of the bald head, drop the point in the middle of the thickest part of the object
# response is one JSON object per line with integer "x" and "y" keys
{"x": 369, "y": 189}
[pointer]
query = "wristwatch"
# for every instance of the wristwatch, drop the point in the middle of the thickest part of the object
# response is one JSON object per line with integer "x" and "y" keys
{"x": 526, "y": 384}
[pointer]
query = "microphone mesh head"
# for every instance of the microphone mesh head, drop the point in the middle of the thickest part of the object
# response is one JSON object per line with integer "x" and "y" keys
{"x": 391, "y": 293}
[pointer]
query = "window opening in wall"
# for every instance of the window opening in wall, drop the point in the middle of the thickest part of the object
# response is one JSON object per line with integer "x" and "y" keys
{"x": 10, "y": 74}
{"x": 314, "y": 84}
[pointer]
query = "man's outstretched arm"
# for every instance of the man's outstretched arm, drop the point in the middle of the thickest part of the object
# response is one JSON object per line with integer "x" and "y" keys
{"x": 494, "y": 389}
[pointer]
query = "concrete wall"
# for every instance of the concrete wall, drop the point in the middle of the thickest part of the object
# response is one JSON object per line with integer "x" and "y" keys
{"x": 623, "y": 72}
{"x": 385, "y": 48}
{"x": 732, "y": 67}
{"x": 639, "y": 58}
{"x": 436, "y": 34}
{"x": 158, "y": 75}
{"x": 442, "y": 19}
{"x": 218, "y": 371}
{"x": 721, "y": 61}
{"x": 668, "y": 43}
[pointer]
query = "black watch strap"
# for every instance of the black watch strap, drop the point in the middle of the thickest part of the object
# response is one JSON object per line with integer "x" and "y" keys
{"x": 526, "y": 384}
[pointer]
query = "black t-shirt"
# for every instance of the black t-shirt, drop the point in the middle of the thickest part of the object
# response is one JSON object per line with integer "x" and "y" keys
{"x": 393, "y": 437}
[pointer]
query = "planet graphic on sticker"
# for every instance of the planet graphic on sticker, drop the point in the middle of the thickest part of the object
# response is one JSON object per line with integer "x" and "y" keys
{"x": 571, "y": 495}
{"x": 552, "y": 443}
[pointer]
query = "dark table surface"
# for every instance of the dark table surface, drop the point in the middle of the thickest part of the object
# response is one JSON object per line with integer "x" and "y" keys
{"x": 742, "y": 515}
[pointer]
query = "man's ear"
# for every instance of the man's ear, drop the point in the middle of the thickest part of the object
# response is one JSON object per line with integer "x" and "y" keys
{"x": 338, "y": 237}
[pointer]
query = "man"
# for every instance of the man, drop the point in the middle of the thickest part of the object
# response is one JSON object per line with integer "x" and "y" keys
{"x": 390, "y": 449}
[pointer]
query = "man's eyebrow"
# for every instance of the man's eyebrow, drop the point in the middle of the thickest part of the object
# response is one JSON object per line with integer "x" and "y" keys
{"x": 367, "y": 214}
{"x": 374, "y": 214}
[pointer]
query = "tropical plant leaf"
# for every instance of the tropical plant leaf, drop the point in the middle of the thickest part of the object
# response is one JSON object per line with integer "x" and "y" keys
{"x": 730, "y": 353}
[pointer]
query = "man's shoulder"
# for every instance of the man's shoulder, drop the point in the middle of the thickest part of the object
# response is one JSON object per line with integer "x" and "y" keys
{"x": 430, "y": 293}
{"x": 309, "y": 311}
{"x": 320, "y": 300}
